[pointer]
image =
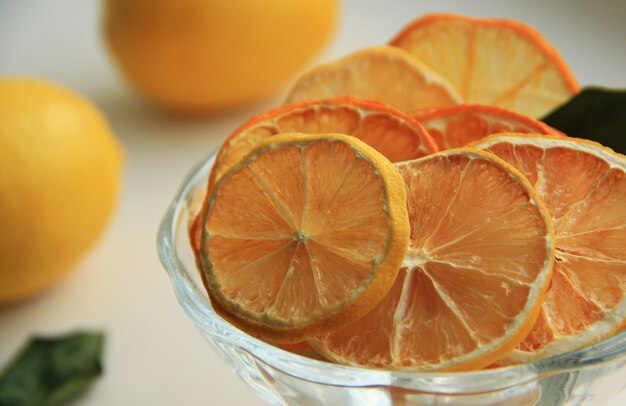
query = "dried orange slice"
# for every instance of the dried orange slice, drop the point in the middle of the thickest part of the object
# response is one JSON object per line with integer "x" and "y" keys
{"x": 391, "y": 132}
{"x": 472, "y": 284}
{"x": 583, "y": 185}
{"x": 488, "y": 61}
{"x": 383, "y": 73}
{"x": 457, "y": 126}
{"x": 306, "y": 233}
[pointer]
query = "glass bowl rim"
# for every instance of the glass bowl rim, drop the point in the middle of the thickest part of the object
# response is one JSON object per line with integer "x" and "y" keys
{"x": 198, "y": 308}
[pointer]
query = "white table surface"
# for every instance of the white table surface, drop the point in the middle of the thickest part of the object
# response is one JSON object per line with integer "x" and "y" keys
{"x": 154, "y": 355}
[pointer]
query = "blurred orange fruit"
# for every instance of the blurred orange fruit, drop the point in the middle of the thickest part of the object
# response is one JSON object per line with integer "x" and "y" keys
{"x": 474, "y": 277}
{"x": 457, "y": 126}
{"x": 195, "y": 56}
{"x": 488, "y": 61}
{"x": 306, "y": 233}
{"x": 584, "y": 187}
{"x": 60, "y": 172}
{"x": 383, "y": 73}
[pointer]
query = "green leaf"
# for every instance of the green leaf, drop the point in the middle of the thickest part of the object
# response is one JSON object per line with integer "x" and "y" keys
{"x": 51, "y": 371}
{"x": 596, "y": 114}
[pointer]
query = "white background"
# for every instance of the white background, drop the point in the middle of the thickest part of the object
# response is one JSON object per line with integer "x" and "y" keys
{"x": 154, "y": 355}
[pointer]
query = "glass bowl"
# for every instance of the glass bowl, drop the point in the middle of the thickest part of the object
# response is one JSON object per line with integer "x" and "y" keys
{"x": 590, "y": 376}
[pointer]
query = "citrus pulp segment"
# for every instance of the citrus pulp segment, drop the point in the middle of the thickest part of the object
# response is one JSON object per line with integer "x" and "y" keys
{"x": 584, "y": 187}
{"x": 457, "y": 126}
{"x": 306, "y": 233}
{"x": 383, "y": 73}
{"x": 478, "y": 265}
{"x": 489, "y": 61}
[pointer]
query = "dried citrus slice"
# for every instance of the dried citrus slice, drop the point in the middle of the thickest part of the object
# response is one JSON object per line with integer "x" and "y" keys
{"x": 391, "y": 132}
{"x": 495, "y": 62}
{"x": 478, "y": 265}
{"x": 383, "y": 73}
{"x": 584, "y": 187}
{"x": 306, "y": 233}
{"x": 457, "y": 126}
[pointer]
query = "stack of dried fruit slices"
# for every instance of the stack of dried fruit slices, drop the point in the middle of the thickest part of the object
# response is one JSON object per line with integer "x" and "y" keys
{"x": 437, "y": 226}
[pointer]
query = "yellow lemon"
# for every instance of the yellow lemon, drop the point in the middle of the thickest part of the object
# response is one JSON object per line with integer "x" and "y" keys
{"x": 200, "y": 55}
{"x": 59, "y": 180}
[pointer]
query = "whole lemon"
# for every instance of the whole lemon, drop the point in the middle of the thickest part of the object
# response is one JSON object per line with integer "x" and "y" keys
{"x": 60, "y": 169}
{"x": 196, "y": 56}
